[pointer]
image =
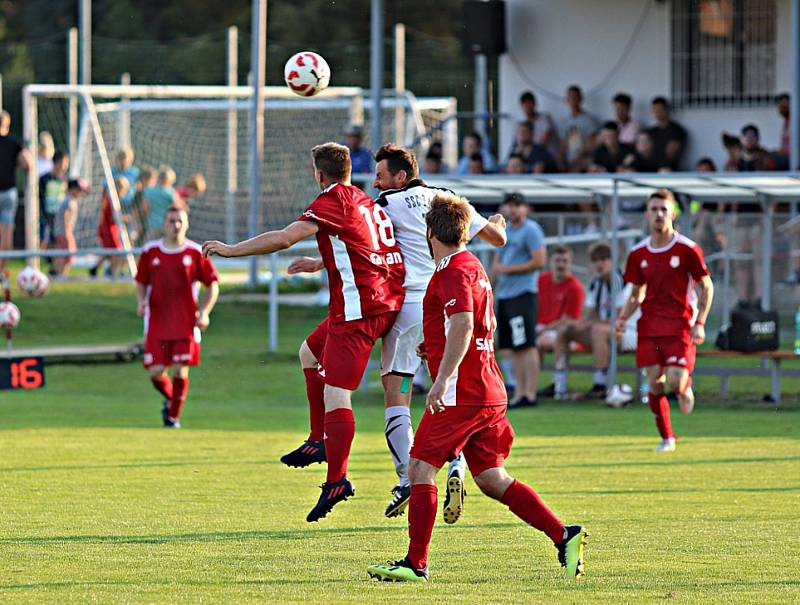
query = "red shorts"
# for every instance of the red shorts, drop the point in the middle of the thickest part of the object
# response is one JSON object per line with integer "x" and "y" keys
{"x": 185, "y": 352}
{"x": 109, "y": 235}
{"x": 665, "y": 351}
{"x": 483, "y": 433}
{"x": 347, "y": 348}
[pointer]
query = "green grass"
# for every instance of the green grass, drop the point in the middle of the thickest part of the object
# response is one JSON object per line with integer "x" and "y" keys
{"x": 99, "y": 504}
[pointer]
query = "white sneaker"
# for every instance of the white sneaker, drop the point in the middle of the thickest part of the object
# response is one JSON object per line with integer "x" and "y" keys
{"x": 666, "y": 445}
{"x": 686, "y": 401}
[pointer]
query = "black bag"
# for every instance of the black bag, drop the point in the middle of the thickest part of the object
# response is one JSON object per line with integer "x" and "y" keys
{"x": 751, "y": 329}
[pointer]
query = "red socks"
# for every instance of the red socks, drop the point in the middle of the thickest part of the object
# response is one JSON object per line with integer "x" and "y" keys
{"x": 180, "y": 386}
{"x": 315, "y": 391}
{"x": 660, "y": 408}
{"x": 528, "y": 506}
{"x": 421, "y": 516}
{"x": 163, "y": 385}
{"x": 340, "y": 428}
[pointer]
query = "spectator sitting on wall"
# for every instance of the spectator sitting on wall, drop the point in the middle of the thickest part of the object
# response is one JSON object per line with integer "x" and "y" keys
{"x": 785, "y": 149}
{"x": 432, "y": 163}
{"x": 628, "y": 127}
{"x": 475, "y": 164}
{"x": 544, "y": 129}
{"x": 577, "y": 133}
{"x": 643, "y": 158}
{"x": 515, "y": 164}
{"x": 472, "y": 144}
{"x": 360, "y": 157}
{"x": 754, "y": 157}
{"x": 610, "y": 153}
{"x": 44, "y": 157}
{"x": 561, "y": 297}
{"x": 733, "y": 149}
{"x": 536, "y": 157}
{"x": 669, "y": 137}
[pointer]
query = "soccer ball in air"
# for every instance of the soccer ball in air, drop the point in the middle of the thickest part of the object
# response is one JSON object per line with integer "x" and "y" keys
{"x": 619, "y": 396}
{"x": 9, "y": 315}
{"x": 307, "y": 74}
{"x": 33, "y": 282}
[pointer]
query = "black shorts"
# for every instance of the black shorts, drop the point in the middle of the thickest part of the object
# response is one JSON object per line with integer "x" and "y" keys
{"x": 516, "y": 322}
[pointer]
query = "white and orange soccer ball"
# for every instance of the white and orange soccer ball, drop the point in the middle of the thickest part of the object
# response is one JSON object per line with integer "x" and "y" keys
{"x": 9, "y": 315}
{"x": 33, "y": 282}
{"x": 307, "y": 74}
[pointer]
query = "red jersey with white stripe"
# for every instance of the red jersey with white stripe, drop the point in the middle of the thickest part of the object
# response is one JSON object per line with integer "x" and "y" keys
{"x": 172, "y": 277}
{"x": 670, "y": 303}
{"x": 358, "y": 247}
{"x": 460, "y": 285}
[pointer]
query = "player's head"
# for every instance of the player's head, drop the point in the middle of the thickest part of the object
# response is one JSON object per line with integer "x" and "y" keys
{"x": 331, "y": 163}
{"x": 516, "y": 207}
{"x": 600, "y": 255}
{"x": 660, "y": 211}
{"x": 448, "y": 221}
{"x": 561, "y": 262}
{"x": 395, "y": 166}
{"x": 176, "y": 223}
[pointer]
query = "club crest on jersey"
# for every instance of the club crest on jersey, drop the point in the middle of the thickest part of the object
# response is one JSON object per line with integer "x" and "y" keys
{"x": 450, "y": 303}
{"x": 187, "y": 260}
{"x": 156, "y": 262}
{"x": 674, "y": 262}
{"x": 643, "y": 264}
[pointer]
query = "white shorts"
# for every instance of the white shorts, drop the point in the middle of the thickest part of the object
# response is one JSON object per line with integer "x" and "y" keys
{"x": 628, "y": 341}
{"x": 399, "y": 346}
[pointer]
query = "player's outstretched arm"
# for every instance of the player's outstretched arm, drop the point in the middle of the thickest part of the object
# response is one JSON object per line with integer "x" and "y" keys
{"x": 704, "y": 301}
{"x": 494, "y": 232}
{"x": 459, "y": 336}
{"x": 266, "y": 243}
{"x": 305, "y": 264}
{"x": 209, "y": 300}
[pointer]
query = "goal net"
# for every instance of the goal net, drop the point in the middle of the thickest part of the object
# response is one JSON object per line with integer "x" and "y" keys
{"x": 204, "y": 130}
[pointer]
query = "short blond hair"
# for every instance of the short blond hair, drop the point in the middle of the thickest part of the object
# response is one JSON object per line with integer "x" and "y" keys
{"x": 196, "y": 182}
{"x": 122, "y": 184}
{"x": 448, "y": 218}
{"x": 166, "y": 176}
{"x": 125, "y": 155}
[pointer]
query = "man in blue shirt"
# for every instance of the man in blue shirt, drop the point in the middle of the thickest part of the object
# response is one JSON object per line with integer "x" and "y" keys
{"x": 360, "y": 157}
{"x": 516, "y": 270}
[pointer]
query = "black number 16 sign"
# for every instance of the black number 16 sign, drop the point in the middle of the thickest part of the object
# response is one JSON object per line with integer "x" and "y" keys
{"x": 22, "y": 373}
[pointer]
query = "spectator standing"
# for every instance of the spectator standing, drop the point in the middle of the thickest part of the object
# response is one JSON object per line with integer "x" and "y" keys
{"x": 44, "y": 157}
{"x": 782, "y": 105}
{"x": 515, "y": 268}
{"x": 577, "y": 133}
{"x": 123, "y": 166}
{"x": 12, "y": 156}
{"x": 108, "y": 230}
{"x": 669, "y": 137}
{"x": 137, "y": 220}
{"x": 195, "y": 185}
{"x": 52, "y": 191}
{"x": 544, "y": 129}
{"x": 610, "y": 153}
{"x": 156, "y": 200}
{"x": 64, "y": 225}
{"x": 560, "y": 298}
{"x": 535, "y": 157}
{"x": 472, "y": 144}
{"x": 628, "y": 128}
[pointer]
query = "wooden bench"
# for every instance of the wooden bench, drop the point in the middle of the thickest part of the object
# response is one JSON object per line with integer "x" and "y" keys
{"x": 79, "y": 353}
{"x": 770, "y": 366}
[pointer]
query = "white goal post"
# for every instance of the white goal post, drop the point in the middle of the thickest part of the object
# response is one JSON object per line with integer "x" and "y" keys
{"x": 202, "y": 130}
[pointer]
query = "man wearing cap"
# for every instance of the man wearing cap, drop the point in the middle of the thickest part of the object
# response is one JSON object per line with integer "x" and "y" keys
{"x": 64, "y": 225}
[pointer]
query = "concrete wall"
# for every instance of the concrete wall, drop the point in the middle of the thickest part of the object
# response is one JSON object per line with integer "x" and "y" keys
{"x": 556, "y": 43}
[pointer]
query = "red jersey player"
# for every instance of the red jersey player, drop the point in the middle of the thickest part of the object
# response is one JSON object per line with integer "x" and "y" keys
{"x": 663, "y": 270}
{"x": 365, "y": 273}
{"x": 166, "y": 288}
{"x": 466, "y": 406}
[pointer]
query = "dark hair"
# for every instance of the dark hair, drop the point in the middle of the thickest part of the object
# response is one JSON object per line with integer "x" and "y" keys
{"x": 433, "y": 155}
{"x": 476, "y": 157}
{"x": 599, "y": 251}
{"x": 611, "y": 125}
{"x": 515, "y": 156}
{"x": 624, "y": 98}
{"x": 660, "y": 101}
{"x": 750, "y": 128}
{"x": 575, "y": 88}
{"x": 174, "y": 208}
{"x": 707, "y": 162}
{"x": 514, "y": 198}
{"x": 59, "y": 155}
{"x": 333, "y": 160}
{"x": 448, "y": 218}
{"x": 397, "y": 159}
{"x": 476, "y": 136}
{"x": 784, "y": 96}
{"x": 561, "y": 249}
{"x": 730, "y": 141}
{"x": 525, "y": 124}
{"x": 662, "y": 194}
{"x": 527, "y": 96}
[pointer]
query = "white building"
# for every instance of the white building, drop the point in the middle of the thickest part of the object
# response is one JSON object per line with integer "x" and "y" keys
{"x": 736, "y": 54}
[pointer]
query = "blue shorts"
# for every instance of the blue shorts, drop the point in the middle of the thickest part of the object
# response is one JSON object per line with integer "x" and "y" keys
{"x": 8, "y": 206}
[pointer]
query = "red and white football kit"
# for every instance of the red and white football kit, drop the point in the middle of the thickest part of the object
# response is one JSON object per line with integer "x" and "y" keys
{"x": 669, "y": 308}
{"x": 365, "y": 277}
{"x": 474, "y": 419}
{"x": 172, "y": 277}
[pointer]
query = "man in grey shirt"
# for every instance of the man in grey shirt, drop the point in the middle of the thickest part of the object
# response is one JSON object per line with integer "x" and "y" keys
{"x": 515, "y": 268}
{"x": 577, "y": 133}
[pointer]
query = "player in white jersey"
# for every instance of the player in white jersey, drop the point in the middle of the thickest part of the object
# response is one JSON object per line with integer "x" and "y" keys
{"x": 406, "y": 199}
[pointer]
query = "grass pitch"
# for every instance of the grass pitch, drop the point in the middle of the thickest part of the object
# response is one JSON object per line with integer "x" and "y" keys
{"x": 100, "y": 504}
